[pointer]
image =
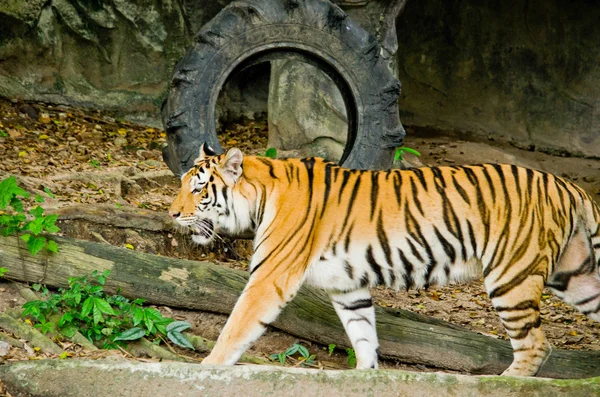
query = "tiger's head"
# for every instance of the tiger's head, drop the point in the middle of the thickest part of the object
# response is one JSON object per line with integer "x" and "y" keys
{"x": 205, "y": 201}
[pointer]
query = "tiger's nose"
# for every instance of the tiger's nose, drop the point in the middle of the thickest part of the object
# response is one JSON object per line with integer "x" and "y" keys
{"x": 174, "y": 214}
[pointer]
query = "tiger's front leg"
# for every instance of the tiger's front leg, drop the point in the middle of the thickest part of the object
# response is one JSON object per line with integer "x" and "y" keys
{"x": 268, "y": 291}
{"x": 355, "y": 310}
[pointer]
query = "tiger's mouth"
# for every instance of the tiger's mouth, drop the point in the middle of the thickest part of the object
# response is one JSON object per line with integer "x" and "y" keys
{"x": 202, "y": 231}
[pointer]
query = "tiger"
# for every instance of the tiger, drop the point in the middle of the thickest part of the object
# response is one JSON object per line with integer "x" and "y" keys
{"x": 346, "y": 230}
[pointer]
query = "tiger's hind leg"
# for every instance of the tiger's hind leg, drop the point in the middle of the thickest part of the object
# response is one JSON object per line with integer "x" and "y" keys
{"x": 355, "y": 310}
{"x": 576, "y": 280}
{"x": 518, "y": 306}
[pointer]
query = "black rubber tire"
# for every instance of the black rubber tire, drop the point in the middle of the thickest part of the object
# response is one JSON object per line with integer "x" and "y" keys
{"x": 251, "y": 31}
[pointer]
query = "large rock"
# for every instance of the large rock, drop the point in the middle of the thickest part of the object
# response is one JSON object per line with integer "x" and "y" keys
{"x": 519, "y": 71}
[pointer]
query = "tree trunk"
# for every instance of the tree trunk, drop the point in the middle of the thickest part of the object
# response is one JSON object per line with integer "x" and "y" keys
{"x": 205, "y": 286}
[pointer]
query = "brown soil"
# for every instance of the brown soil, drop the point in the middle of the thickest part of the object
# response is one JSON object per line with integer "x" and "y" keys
{"x": 88, "y": 157}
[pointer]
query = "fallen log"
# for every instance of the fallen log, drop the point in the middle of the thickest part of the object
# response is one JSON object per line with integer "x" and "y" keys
{"x": 205, "y": 286}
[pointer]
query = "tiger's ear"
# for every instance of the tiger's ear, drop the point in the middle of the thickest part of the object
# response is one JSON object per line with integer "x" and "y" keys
{"x": 231, "y": 165}
{"x": 205, "y": 150}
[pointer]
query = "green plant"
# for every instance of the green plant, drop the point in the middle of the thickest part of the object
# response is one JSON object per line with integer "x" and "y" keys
{"x": 3, "y": 134}
{"x": 305, "y": 357}
{"x": 271, "y": 153}
{"x": 351, "y": 357}
{"x": 3, "y": 271}
{"x": 401, "y": 150}
{"x": 331, "y": 348}
{"x": 95, "y": 163}
{"x": 17, "y": 221}
{"x": 108, "y": 319}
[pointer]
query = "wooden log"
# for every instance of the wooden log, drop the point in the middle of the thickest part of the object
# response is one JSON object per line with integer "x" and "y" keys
{"x": 206, "y": 286}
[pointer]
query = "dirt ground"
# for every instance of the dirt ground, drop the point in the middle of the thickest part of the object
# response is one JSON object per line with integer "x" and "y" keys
{"x": 84, "y": 156}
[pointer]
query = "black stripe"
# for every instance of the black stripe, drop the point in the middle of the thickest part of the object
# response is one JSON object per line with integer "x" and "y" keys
{"x": 524, "y": 305}
{"x": 518, "y": 279}
{"x": 383, "y": 240}
{"x": 327, "y": 188}
{"x": 397, "y": 187}
{"x": 587, "y": 300}
{"x": 487, "y": 176}
{"x": 414, "y": 250}
{"x": 438, "y": 176}
{"x": 415, "y": 196}
{"x": 357, "y": 304}
{"x": 420, "y": 176}
{"x": 347, "y": 239}
{"x": 361, "y": 318}
{"x": 269, "y": 164}
{"x": 349, "y": 269}
{"x": 374, "y": 192}
{"x": 374, "y": 265}
{"x": 515, "y": 171}
{"x": 460, "y": 190}
{"x": 448, "y": 248}
{"x": 472, "y": 238}
{"x": 344, "y": 182}
{"x": 408, "y": 269}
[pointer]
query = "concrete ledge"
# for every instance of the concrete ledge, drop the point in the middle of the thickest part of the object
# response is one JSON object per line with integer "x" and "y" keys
{"x": 117, "y": 378}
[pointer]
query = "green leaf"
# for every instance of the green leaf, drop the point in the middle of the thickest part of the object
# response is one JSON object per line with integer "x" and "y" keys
{"x": 271, "y": 153}
{"x": 178, "y": 326}
{"x": 87, "y": 307}
{"x": 107, "y": 331}
{"x": 37, "y": 211}
{"x": 292, "y": 349}
{"x": 35, "y": 244}
{"x": 131, "y": 334}
{"x": 3, "y": 271}
{"x": 138, "y": 316}
{"x": 351, "y": 357}
{"x": 103, "y": 306}
{"x": 49, "y": 193}
{"x": 179, "y": 339}
{"x": 26, "y": 237}
{"x": 331, "y": 348}
{"x": 17, "y": 205}
{"x": 282, "y": 358}
{"x": 39, "y": 199}
{"x": 411, "y": 151}
{"x": 65, "y": 319}
{"x": 98, "y": 317}
{"x": 153, "y": 314}
{"x": 36, "y": 226}
{"x": 303, "y": 351}
{"x": 52, "y": 246}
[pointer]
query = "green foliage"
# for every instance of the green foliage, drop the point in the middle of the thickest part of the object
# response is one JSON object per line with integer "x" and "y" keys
{"x": 271, "y": 153}
{"x": 3, "y": 134}
{"x": 14, "y": 220}
{"x": 351, "y": 357}
{"x": 305, "y": 357}
{"x": 401, "y": 150}
{"x": 331, "y": 348}
{"x": 85, "y": 307}
{"x": 95, "y": 163}
{"x": 3, "y": 271}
